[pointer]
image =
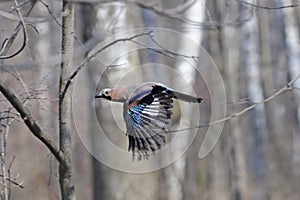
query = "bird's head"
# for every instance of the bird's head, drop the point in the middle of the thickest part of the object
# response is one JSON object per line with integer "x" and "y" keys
{"x": 105, "y": 93}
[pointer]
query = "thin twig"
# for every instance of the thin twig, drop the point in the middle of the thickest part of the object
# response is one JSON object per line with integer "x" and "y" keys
{"x": 285, "y": 88}
{"x": 7, "y": 42}
{"x": 89, "y": 57}
{"x": 19, "y": 78}
{"x": 30, "y": 122}
{"x": 167, "y": 13}
{"x": 172, "y": 13}
{"x": 267, "y": 7}
{"x": 9, "y": 178}
{"x": 14, "y": 8}
{"x": 27, "y": 20}
{"x": 51, "y": 13}
{"x": 14, "y": 182}
{"x": 170, "y": 52}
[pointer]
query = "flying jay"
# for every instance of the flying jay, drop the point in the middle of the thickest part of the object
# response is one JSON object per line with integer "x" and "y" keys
{"x": 147, "y": 110}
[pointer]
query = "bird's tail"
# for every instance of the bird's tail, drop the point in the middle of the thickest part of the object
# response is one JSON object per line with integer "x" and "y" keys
{"x": 186, "y": 97}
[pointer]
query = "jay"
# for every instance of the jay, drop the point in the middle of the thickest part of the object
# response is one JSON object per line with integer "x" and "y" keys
{"x": 147, "y": 110}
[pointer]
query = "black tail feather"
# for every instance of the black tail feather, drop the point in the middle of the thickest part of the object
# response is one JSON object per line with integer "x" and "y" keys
{"x": 186, "y": 97}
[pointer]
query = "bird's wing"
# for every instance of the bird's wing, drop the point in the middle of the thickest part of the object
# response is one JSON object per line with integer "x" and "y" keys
{"x": 147, "y": 119}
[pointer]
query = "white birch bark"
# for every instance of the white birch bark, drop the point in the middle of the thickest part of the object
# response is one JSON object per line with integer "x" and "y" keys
{"x": 237, "y": 157}
{"x": 175, "y": 174}
{"x": 111, "y": 21}
{"x": 251, "y": 50}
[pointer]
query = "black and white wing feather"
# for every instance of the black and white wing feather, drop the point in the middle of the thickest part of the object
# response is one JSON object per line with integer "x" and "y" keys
{"x": 147, "y": 120}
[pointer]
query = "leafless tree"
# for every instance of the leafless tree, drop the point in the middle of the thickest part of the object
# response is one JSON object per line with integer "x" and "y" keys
{"x": 44, "y": 51}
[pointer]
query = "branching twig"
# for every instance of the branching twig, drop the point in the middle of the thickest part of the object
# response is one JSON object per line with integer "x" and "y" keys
{"x": 168, "y": 51}
{"x": 50, "y": 12}
{"x": 14, "y": 8}
{"x": 163, "y": 12}
{"x": 8, "y": 42}
{"x": 267, "y": 7}
{"x": 285, "y": 88}
{"x": 161, "y": 50}
{"x": 89, "y": 57}
{"x": 9, "y": 170}
{"x": 29, "y": 121}
{"x": 14, "y": 182}
{"x": 27, "y": 20}
{"x": 172, "y": 13}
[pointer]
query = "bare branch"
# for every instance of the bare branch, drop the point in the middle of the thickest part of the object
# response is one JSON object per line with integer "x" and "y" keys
{"x": 4, "y": 138}
{"x": 164, "y": 12}
{"x": 27, "y": 20}
{"x": 14, "y": 182}
{"x": 267, "y": 7}
{"x": 285, "y": 88}
{"x": 161, "y": 50}
{"x": 29, "y": 121}
{"x": 8, "y": 42}
{"x": 14, "y": 8}
{"x": 89, "y": 57}
{"x": 50, "y": 12}
{"x": 183, "y": 7}
{"x": 172, "y": 13}
{"x": 169, "y": 51}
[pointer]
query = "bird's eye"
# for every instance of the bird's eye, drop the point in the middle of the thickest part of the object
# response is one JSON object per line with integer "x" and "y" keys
{"x": 106, "y": 92}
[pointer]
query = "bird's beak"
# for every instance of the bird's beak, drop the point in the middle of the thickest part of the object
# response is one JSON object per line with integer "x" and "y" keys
{"x": 99, "y": 95}
{"x": 103, "y": 94}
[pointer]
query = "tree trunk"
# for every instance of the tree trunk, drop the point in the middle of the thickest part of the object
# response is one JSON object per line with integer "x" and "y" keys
{"x": 177, "y": 178}
{"x": 236, "y": 143}
{"x": 292, "y": 42}
{"x": 251, "y": 49}
{"x": 91, "y": 32}
{"x": 66, "y": 165}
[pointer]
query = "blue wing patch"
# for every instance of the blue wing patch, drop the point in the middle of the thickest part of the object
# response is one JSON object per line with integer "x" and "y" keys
{"x": 147, "y": 122}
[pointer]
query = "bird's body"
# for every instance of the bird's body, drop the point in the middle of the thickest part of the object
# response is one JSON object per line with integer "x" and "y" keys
{"x": 147, "y": 110}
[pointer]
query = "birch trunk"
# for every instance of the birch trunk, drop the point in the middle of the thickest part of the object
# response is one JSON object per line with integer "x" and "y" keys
{"x": 236, "y": 141}
{"x": 251, "y": 50}
{"x": 176, "y": 174}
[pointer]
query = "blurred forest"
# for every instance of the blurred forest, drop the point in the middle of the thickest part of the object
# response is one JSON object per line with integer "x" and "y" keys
{"x": 255, "y": 46}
